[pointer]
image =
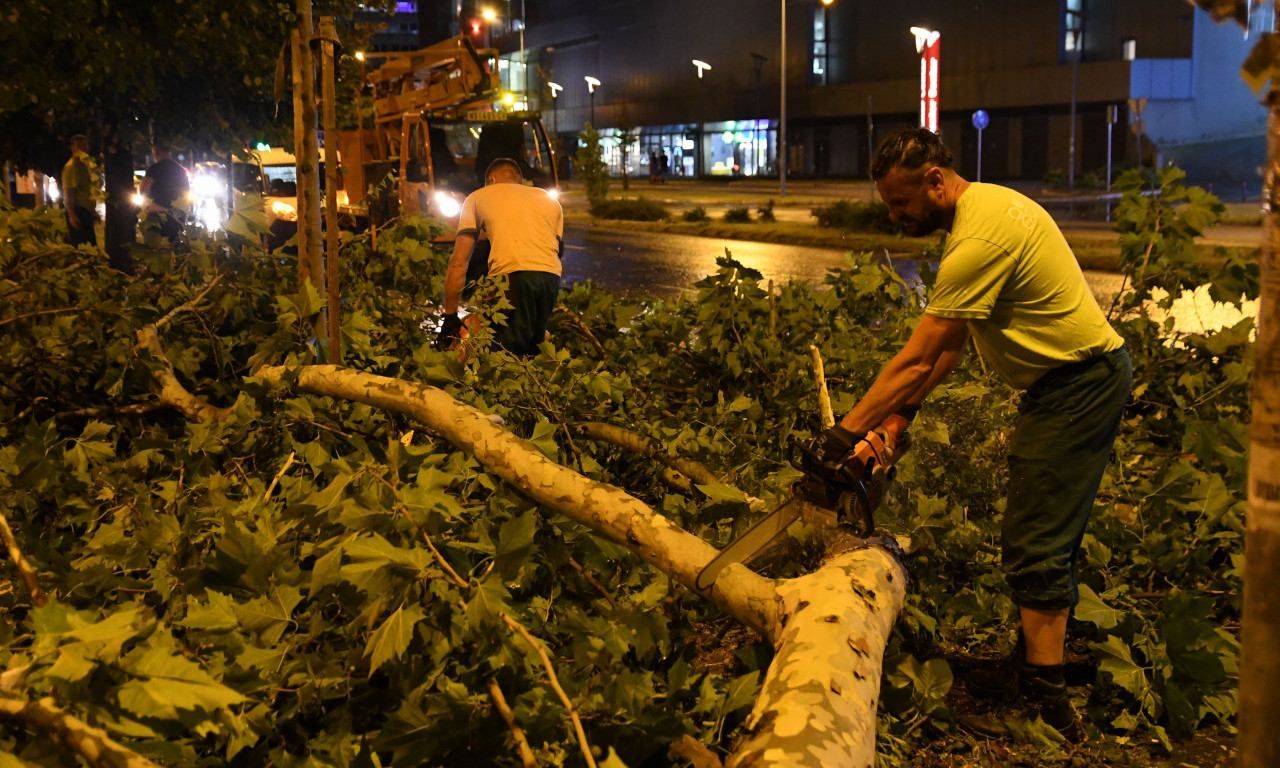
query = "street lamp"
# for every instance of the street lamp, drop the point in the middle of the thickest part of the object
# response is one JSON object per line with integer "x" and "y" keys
{"x": 592, "y": 84}
{"x": 359, "y": 159}
{"x": 782, "y": 117}
{"x": 490, "y": 16}
{"x": 702, "y": 67}
{"x": 556, "y": 88}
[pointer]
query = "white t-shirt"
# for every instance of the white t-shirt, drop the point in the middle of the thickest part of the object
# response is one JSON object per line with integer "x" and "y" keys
{"x": 524, "y": 226}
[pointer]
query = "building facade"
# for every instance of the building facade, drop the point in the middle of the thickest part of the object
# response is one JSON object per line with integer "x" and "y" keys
{"x": 1065, "y": 83}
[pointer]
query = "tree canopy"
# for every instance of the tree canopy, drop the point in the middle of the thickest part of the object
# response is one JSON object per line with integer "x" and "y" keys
{"x": 194, "y": 70}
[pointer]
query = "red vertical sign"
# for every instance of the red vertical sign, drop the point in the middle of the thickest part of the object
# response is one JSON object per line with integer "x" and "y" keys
{"x": 927, "y": 43}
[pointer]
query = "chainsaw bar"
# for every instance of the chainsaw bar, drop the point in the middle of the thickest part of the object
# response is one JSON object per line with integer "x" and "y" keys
{"x": 755, "y": 539}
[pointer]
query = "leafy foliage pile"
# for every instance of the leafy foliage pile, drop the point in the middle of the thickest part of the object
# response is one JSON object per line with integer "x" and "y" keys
{"x": 315, "y": 582}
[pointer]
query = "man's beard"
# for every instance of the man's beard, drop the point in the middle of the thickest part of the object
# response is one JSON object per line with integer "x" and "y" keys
{"x": 931, "y": 222}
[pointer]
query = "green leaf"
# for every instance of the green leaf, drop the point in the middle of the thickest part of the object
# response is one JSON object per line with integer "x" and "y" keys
{"x": 166, "y": 683}
{"x": 488, "y": 600}
{"x": 270, "y": 615}
{"x": 1091, "y": 608}
{"x": 742, "y": 692}
{"x": 1116, "y": 660}
{"x": 216, "y": 615}
{"x": 390, "y": 640}
{"x": 720, "y": 493}
{"x": 515, "y": 537}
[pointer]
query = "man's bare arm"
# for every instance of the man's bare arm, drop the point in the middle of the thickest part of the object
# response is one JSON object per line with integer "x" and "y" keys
{"x": 934, "y": 349}
{"x": 455, "y": 277}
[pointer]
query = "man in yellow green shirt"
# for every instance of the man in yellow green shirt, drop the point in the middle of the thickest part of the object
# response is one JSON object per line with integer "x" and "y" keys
{"x": 78, "y": 194}
{"x": 1008, "y": 279}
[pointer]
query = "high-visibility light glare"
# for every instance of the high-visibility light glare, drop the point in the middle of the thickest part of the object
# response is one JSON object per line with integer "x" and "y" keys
{"x": 702, "y": 66}
{"x": 592, "y": 83}
{"x": 489, "y": 14}
{"x": 556, "y": 88}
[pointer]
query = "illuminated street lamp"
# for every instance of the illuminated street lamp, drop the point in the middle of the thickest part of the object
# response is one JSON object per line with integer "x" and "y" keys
{"x": 490, "y": 16}
{"x": 702, "y": 67}
{"x": 556, "y": 88}
{"x": 592, "y": 84}
{"x": 782, "y": 117}
{"x": 360, "y": 108}
{"x": 927, "y": 47}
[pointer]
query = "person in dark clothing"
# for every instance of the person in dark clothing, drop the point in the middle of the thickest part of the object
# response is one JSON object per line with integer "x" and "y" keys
{"x": 165, "y": 187}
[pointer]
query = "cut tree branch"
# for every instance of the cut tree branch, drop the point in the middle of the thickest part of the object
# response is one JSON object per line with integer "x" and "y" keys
{"x": 172, "y": 392}
{"x": 38, "y": 597}
{"x": 820, "y": 381}
{"x": 517, "y": 733}
{"x": 637, "y": 443}
{"x": 92, "y": 744}
{"x": 555, "y": 686}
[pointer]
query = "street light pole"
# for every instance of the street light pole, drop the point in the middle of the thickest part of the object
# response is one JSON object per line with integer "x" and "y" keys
{"x": 591, "y": 88}
{"x": 782, "y": 118}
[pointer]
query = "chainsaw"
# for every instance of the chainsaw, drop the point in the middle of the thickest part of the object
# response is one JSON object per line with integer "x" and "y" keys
{"x": 852, "y": 488}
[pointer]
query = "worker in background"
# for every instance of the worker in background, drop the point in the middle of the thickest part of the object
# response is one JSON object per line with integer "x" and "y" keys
{"x": 79, "y": 198}
{"x": 525, "y": 228}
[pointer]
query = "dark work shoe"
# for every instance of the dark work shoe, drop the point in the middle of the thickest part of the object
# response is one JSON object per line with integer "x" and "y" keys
{"x": 1042, "y": 689}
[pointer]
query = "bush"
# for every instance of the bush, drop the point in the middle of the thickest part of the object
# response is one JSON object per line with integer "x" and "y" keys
{"x": 738, "y": 216}
{"x": 696, "y": 215}
{"x": 592, "y": 168}
{"x": 765, "y": 212}
{"x": 639, "y": 209}
{"x": 862, "y": 216}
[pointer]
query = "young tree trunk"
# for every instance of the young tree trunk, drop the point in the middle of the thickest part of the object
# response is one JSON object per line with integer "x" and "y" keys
{"x": 1260, "y": 653}
{"x": 829, "y": 628}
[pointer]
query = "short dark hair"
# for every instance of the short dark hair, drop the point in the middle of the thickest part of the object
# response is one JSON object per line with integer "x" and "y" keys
{"x": 79, "y": 137}
{"x": 912, "y": 149}
{"x": 503, "y": 162}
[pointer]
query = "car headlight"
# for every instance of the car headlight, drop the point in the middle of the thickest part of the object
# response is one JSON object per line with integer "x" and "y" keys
{"x": 448, "y": 205}
{"x": 284, "y": 211}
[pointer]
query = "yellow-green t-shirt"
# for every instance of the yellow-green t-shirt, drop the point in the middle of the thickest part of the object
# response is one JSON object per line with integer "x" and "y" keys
{"x": 77, "y": 189}
{"x": 1009, "y": 272}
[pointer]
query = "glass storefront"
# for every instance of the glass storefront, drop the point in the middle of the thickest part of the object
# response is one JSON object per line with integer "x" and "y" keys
{"x": 728, "y": 148}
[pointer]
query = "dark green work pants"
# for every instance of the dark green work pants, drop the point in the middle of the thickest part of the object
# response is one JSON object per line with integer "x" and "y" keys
{"x": 1061, "y": 445}
{"x": 533, "y": 296}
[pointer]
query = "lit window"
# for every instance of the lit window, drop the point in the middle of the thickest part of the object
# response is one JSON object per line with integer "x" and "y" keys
{"x": 1072, "y": 24}
{"x": 1130, "y": 49}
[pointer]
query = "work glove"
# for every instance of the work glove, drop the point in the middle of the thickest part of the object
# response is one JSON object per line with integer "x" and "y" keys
{"x": 826, "y": 453}
{"x": 450, "y": 332}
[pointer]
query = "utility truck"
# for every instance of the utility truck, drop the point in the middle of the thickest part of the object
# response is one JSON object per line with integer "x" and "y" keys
{"x": 435, "y": 131}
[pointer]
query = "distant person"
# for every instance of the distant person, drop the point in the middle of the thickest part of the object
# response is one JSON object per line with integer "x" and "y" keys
{"x": 525, "y": 229}
{"x": 662, "y": 168}
{"x": 78, "y": 194}
{"x": 166, "y": 189}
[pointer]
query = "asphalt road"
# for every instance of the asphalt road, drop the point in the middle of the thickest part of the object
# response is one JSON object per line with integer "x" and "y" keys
{"x": 666, "y": 265}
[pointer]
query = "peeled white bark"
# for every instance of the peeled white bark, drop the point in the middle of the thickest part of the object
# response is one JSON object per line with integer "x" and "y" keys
{"x": 829, "y": 628}
{"x": 818, "y": 704}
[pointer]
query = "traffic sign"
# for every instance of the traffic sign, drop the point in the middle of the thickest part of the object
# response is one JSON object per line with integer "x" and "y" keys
{"x": 981, "y": 119}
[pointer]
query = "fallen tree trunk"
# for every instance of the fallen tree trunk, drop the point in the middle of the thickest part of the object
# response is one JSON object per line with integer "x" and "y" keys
{"x": 829, "y": 628}
{"x": 749, "y": 598}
